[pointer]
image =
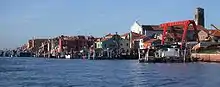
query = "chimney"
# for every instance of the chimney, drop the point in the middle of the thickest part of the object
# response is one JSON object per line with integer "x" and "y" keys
{"x": 199, "y": 17}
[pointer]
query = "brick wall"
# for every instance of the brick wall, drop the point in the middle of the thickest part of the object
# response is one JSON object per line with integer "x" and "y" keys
{"x": 207, "y": 57}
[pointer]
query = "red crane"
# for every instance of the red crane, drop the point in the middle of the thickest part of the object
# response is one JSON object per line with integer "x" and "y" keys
{"x": 185, "y": 24}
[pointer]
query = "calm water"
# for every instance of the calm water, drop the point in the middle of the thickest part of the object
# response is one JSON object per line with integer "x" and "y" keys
{"x": 33, "y": 72}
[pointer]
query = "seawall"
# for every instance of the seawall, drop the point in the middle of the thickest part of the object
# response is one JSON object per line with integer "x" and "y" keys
{"x": 206, "y": 57}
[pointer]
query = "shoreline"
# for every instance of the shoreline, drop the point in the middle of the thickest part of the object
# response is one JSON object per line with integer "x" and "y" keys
{"x": 201, "y": 58}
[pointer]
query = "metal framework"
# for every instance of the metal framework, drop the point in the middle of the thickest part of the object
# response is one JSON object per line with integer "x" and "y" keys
{"x": 185, "y": 25}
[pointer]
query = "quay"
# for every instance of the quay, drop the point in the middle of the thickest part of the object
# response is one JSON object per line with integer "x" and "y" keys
{"x": 206, "y": 57}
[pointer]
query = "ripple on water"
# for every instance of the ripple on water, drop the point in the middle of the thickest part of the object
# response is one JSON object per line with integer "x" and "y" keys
{"x": 121, "y": 73}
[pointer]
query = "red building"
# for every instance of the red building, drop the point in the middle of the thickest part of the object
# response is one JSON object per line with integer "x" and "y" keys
{"x": 75, "y": 43}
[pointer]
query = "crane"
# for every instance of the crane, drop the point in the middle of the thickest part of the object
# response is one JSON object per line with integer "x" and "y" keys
{"x": 215, "y": 27}
{"x": 218, "y": 30}
{"x": 185, "y": 24}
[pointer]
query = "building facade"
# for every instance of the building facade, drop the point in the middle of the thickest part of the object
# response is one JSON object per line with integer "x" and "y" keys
{"x": 35, "y": 44}
{"x": 148, "y": 30}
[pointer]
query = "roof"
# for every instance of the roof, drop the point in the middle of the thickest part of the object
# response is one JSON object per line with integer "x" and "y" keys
{"x": 198, "y": 27}
{"x": 135, "y": 35}
{"x": 97, "y": 39}
{"x": 150, "y": 40}
{"x": 158, "y": 28}
{"x": 215, "y": 33}
{"x": 141, "y": 37}
{"x": 109, "y": 35}
{"x": 209, "y": 31}
{"x": 104, "y": 39}
{"x": 152, "y": 27}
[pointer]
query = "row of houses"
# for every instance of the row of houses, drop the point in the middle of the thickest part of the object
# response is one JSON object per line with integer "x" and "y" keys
{"x": 110, "y": 45}
{"x": 140, "y": 36}
{"x": 113, "y": 45}
{"x": 58, "y": 46}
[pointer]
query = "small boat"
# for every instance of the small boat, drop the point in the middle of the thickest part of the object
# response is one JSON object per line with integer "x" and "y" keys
{"x": 67, "y": 56}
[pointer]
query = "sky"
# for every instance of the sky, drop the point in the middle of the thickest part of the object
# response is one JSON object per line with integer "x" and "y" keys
{"x": 21, "y": 20}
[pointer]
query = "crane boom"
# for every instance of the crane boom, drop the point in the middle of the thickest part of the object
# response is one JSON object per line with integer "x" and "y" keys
{"x": 215, "y": 27}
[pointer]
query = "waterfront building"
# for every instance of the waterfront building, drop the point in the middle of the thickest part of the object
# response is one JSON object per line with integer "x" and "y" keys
{"x": 124, "y": 47}
{"x": 148, "y": 30}
{"x": 68, "y": 45}
{"x": 204, "y": 35}
{"x": 209, "y": 35}
{"x": 98, "y": 43}
{"x": 98, "y": 47}
{"x": 35, "y": 44}
{"x": 135, "y": 40}
{"x": 43, "y": 49}
{"x": 113, "y": 46}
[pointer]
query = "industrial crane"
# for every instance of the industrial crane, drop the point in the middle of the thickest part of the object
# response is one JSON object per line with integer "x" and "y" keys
{"x": 217, "y": 30}
{"x": 173, "y": 51}
{"x": 185, "y": 24}
{"x": 215, "y": 27}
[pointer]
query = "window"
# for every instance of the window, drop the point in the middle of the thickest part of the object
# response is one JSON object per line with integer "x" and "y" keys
{"x": 127, "y": 44}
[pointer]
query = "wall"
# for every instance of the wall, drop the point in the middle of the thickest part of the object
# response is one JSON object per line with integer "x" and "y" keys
{"x": 137, "y": 28}
{"x": 36, "y": 43}
{"x": 149, "y": 33}
{"x": 202, "y": 35}
{"x": 124, "y": 44}
{"x": 190, "y": 35}
{"x": 29, "y": 44}
{"x": 108, "y": 44}
{"x": 207, "y": 57}
{"x": 98, "y": 44}
{"x": 141, "y": 44}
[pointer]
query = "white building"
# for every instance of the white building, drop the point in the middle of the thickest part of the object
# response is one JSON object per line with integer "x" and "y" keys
{"x": 148, "y": 30}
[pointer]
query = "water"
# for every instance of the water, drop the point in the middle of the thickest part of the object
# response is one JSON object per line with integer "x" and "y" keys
{"x": 35, "y": 72}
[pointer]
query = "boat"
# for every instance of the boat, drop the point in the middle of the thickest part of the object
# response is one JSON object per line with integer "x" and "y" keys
{"x": 67, "y": 56}
{"x": 166, "y": 53}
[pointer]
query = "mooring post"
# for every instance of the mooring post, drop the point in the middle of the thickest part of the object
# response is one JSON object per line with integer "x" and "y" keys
{"x": 184, "y": 55}
{"x": 148, "y": 49}
{"x": 94, "y": 54}
{"x": 139, "y": 54}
